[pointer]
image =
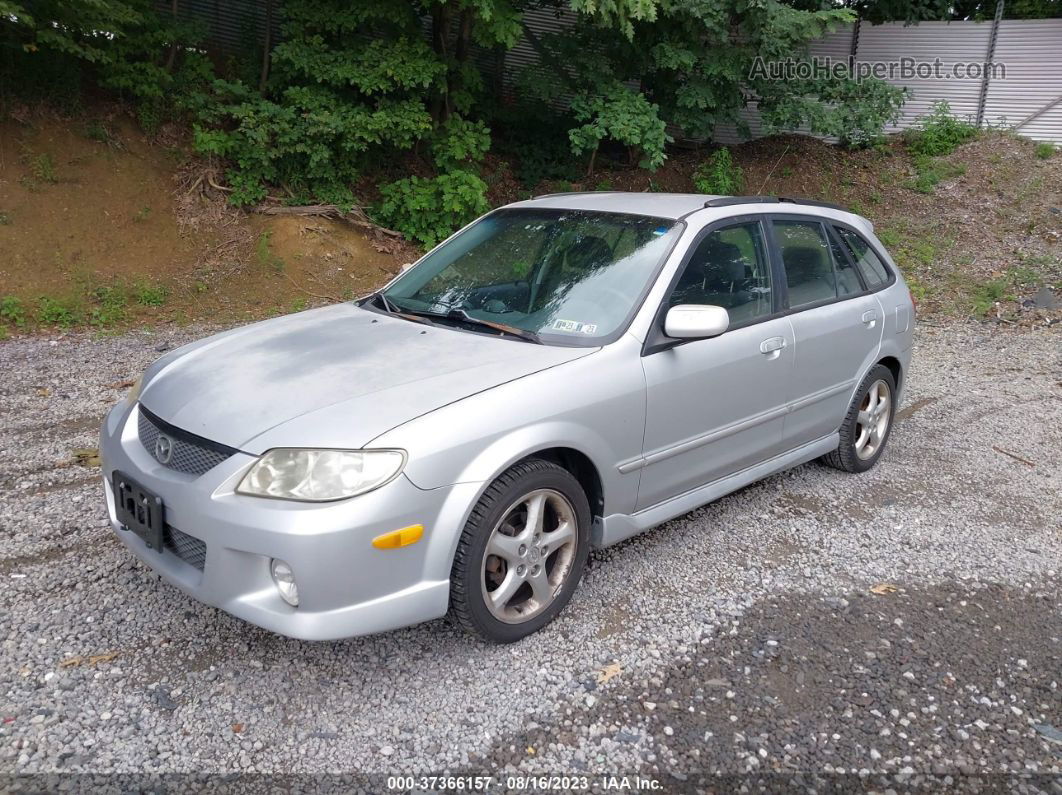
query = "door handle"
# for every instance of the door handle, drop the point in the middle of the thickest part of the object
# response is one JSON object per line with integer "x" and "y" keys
{"x": 870, "y": 317}
{"x": 772, "y": 345}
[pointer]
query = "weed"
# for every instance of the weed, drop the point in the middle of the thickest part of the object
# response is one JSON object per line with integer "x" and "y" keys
{"x": 97, "y": 131}
{"x": 874, "y": 197}
{"x": 201, "y": 287}
{"x": 298, "y": 304}
{"x": 940, "y": 132}
{"x": 141, "y": 215}
{"x": 147, "y": 294}
{"x": 605, "y": 184}
{"x": 786, "y": 172}
{"x": 264, "y": 251}
{"x": 12, "y": 311}
{"x": 5, "y": 219}
{"x": 857, "y": 208}
{"x": 112, "y": 306}
{"x": 4, "y": 333}
{"x": 719, "y": 175}
{"x": 1045, "y": 149}
{"x": 987, "y": 294}
{"x": 42, "y": 167}
{"x": 62, "y": 312}
{"x": 564, "y": 186}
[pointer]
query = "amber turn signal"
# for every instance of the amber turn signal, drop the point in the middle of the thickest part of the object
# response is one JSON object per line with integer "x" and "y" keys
{"x": 399, "y": 538}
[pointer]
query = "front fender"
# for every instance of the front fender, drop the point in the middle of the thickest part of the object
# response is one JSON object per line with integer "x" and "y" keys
{"x": 594, "y": 405}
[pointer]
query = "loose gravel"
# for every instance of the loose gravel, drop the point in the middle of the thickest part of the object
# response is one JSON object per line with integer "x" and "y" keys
{"x": 742, "y": 639}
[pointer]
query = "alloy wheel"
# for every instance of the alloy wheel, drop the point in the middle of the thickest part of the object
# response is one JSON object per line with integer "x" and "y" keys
{"x": 529, "y": 556}
{"x": 873, "y": 419}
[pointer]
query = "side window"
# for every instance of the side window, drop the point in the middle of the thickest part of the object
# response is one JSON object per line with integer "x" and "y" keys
{"x": 874, "y": 271}
{"x": 814, "y": 270}
{"x": 847, "y": 279}
{"x": 729, "y": 268}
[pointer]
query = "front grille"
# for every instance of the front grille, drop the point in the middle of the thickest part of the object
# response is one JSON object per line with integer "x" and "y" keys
{"x": 190, "y": 455}
{"x": 188, "y": 548}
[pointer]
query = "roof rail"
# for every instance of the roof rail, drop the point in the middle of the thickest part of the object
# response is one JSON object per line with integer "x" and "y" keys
{"x": 727, "y": 201}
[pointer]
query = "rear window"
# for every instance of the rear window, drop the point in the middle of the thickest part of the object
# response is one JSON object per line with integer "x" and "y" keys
{"x": 875, "y": 273}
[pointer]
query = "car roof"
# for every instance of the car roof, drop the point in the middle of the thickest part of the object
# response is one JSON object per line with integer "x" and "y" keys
{"x": 680, "y": 205}
{"x": 660, "y": 205}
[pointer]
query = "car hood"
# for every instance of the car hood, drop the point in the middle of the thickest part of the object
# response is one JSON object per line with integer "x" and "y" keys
{"x": 333, "y": 377}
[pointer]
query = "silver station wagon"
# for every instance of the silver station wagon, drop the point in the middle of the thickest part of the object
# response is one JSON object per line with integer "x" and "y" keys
{"x": 563, "y": 373}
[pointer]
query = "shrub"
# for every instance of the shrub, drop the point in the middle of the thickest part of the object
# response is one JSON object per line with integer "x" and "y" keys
{"x": 940, "y": 133}
{"x": 719, "y": 175}
{"x": 460, "y": 144}
{"x": 430, "y": 210}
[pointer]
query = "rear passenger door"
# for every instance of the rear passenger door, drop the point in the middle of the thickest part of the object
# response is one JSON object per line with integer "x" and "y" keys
{"x": 836, "y": 323}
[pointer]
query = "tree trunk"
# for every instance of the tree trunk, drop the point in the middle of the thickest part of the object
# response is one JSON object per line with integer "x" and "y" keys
{"x": 440, "y": 33}
{"x": 267, "y": 47}
{"x": 171, "y": 58}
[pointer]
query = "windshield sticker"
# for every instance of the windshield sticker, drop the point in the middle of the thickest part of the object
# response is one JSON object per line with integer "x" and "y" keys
{"x": 660, "y": 230}
{"x": 574, "y": 327}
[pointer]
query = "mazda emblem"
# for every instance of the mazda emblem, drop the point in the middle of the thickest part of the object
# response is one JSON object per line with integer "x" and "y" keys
{"x": 164, "y": 449}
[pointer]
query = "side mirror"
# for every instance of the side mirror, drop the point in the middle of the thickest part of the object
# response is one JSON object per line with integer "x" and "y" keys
{"x": 696, "y": 321}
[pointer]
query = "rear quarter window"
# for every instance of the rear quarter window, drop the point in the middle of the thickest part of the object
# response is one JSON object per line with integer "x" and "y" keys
{"x": 875, "y": 272}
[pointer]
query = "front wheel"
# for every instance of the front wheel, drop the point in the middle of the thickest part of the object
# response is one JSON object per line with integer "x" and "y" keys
{"x": 867, "y": 425}
{"x": 521, "y": 553}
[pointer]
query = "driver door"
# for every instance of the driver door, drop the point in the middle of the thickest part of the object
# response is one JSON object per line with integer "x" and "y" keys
{"x": 716, "y": 406}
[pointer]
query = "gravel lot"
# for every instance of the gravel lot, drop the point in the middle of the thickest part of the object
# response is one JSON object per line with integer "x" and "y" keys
{"x": 742, "y": 638}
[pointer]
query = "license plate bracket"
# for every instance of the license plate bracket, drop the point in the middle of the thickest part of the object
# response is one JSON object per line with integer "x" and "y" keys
{"x": 139, "y": 510}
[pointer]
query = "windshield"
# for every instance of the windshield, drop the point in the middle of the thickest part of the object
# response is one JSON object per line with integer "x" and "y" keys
{"x": 567, "y": 276}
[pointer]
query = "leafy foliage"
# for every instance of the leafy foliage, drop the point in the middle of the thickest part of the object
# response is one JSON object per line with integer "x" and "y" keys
{"x": 719, "y": 175}
{"x": 620, "y": 114}
{"x": 429, "y": 210}
{"x": 940, "y": 132}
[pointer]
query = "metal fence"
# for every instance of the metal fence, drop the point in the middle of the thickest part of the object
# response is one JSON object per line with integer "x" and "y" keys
{"x": 1027, "y": 98}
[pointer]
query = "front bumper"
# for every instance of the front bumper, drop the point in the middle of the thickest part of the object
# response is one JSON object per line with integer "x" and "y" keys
{"x": 346, "y": 586}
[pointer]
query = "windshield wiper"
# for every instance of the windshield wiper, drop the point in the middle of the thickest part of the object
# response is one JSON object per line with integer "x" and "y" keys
{"x": 461, "y": 316}
{"x": 384, "y": 302}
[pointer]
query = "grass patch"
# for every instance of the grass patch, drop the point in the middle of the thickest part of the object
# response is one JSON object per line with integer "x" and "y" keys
{"x": 931, "y": 171}
{"x": 5, "y": 219}
{"x": 298, "y": 304}
{"x": 986, "y": 295}
{"x": 141, "y": 216}
{"x": 1045, "y": 150}
{"x": 266, "y": 257}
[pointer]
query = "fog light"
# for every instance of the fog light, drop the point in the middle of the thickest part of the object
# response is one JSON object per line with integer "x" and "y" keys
{"x": 284, "y": 579}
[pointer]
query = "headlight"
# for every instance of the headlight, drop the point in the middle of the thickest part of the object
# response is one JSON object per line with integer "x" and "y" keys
{"x": 320, "y": 475}
{"x": 133, "y": 395}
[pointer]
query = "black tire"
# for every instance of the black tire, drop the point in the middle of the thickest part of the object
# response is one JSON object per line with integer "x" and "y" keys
{"x": 845, "y": 456}
{"x": 467, "y": 601}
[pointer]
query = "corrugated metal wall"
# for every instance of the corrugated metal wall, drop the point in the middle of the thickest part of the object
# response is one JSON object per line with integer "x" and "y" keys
{"x": 1029, "y": 98}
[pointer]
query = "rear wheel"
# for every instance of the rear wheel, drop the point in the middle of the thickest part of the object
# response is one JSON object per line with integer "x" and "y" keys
{"x": 867, "y": 425}
{"x": 521, "y": 553}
